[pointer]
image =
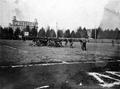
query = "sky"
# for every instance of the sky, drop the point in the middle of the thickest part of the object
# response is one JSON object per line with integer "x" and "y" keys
{"x": 68, "y": 14}
{"x": 111, "y": 17}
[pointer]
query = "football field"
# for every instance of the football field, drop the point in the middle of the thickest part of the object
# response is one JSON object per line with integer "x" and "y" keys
{"x": 31, "y": 67}
{"x": 20, "y": 52}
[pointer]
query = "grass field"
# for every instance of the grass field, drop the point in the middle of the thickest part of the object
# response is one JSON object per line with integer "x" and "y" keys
{"x": 16, "y": 51}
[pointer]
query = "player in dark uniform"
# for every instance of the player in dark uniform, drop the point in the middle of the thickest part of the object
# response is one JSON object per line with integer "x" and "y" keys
{"x": 83, "y": 44}
{"x": 112, "y": 42}
{"x": 71, "y": 43}
{"x": 66, "y": 42}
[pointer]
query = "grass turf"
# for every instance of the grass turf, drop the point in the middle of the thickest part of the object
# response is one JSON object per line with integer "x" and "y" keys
{"x": 19, "y": 52}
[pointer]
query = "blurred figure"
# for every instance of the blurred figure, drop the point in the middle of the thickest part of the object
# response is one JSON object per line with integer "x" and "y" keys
{"x": 71, "y": 43}
{"x": 66, "y": 42}
{"x": 112, "y": 42}
{"x": 83, "y": 44}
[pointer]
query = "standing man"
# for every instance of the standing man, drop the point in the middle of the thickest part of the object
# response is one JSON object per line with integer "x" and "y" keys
{"x": 113, "y": 43}
{"x": 84, "y": 45}
{"x": 81, "y": 43}
{"x": 66, "y": 42}
{"x": 71, "y": 43}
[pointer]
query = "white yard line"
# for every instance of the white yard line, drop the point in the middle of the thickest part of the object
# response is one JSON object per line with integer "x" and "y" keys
{"x": 113, "y": 72}
{"x": 97, "y": 77}
{"x": 42, "y": 87}
{"x": 47, "y": 64}
{"x": 10, "y": 47}
{"x": 15, "y": 48}
{"x": 106, "y": 76}
{"x": 108, "y": 85}
{"x": 105, "y": 84}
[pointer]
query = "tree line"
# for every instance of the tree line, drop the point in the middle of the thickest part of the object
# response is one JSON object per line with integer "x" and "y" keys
{"x": 98, "y": 33}
{"x": 9, "y": 33}
{"x": 105, "y": 34}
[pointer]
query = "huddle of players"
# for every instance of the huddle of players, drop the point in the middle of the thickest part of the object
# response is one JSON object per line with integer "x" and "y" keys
{"x": 58, "y": 43}
{"x": 48, "y": 42}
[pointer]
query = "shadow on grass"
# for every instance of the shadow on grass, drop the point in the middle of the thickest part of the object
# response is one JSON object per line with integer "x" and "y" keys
{"x": 8, "y": 63}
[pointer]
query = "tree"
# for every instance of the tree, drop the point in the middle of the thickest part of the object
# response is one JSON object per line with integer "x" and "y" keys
{"x": 33, "y": 32}
{"x": 17, "y": 33}
{"x": 1, "y": 32}
{"x": 5, "y": 33}
{"x": 27, "y": 29}
{"x": 60, "y": 33}
{"x": 52, "y": 33}
{"x": 106, "y": 34}
{"x": 117, "y": 33}
{"x": 41, "y": 32}
{"x": 73, "y": 34}
{"x": 98, "y": 31}
{"x": 93, "y": 33}
{"x": 84, "y": 33}
{"x": 67, "y": 33}
{"x": 101, "y": 35}
{"x": 10, "y": 32}
{"x": 79, "y": 33}
{"x": 48, "y": 32}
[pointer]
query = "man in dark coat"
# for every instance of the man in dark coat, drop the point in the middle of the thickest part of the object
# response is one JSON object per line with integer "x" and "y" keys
{"x": 71, "y": 43}
{"x": 83, "y": 44}
{"x": 66, "y": 42}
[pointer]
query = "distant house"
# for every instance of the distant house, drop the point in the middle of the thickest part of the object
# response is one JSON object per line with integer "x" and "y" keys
{"x": 22, "y": 24}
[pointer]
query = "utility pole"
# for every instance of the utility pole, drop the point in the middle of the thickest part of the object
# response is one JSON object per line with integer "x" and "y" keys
{"x": 56, "y": 29}
{"x": 95, "y": 34}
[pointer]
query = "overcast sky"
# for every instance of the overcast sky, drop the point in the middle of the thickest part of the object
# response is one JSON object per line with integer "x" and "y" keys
{"x": 67, "y": 13}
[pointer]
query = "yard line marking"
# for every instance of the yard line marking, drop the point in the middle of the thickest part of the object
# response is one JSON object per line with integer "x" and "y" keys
{"x": 45, "y": 64}
{"x": 97, "y": 77}
{"x": 20, "y": 50}
{"x": 64, "y": 62}
{"x": 106, "y": 76}
{"x": 104, "y": 83}
{"x": 114, "y": 73}
{"x": 10, "y": 47}
{"x": 110, "y": 84}
{"x": 47, "y": 86}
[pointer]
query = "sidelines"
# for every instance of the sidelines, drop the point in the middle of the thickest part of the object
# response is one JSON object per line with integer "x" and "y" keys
{"x": 47, "y": 64}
